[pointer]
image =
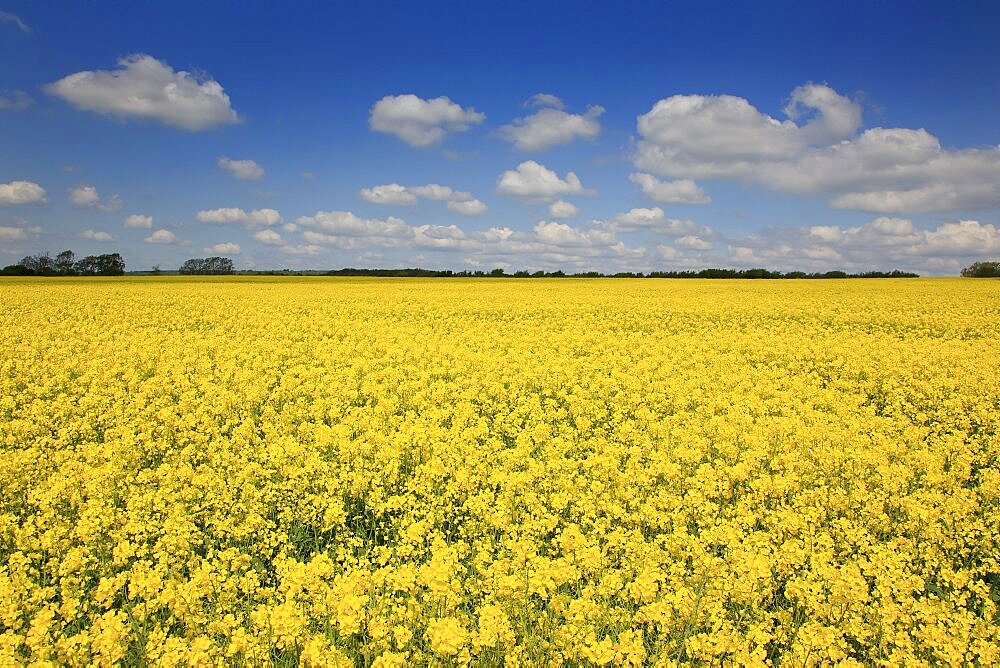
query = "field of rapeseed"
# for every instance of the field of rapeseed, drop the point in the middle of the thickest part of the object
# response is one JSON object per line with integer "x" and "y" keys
{"x": 397, "y": 472}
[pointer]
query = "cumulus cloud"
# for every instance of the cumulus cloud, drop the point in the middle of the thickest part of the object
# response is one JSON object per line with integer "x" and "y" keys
{"x": 563, "y": 209}
{"x": 302, "y": 249}
{"x": 561, "y": 234}
{"x": 885, "y": 170}
{"x": 550, "y": 244}
{"x": 252, "y": 220}
{"x": 467, "y": 207}
{"x": 438, "y": 236}
{"x": 8, "y": 233}
{"x": 420, "y": 122}
{"x": 138, "y": 220}
{"x": 533, "y": 181}
{"x": 883, "y": 243}
{"x": 18, "y": 101}
{"x": 693, "y": 242}
{"x": 681, "y": 191}
{"x": 146, "y": 88}
{"x": 389, "y": 193}
{"x": 246, "y": 170}
{"x": 21, "y": 192}
{"x": 343, "y": 229}
{"x": 545, "y": 100}
{"x": 269, "y": 237}
{"x": 96, "y": 235}
{"x": 86, "y": 197}
{"x": 656, "y": 220}
{"x": 161, "y": 237}
{"x": 223, "y": 248}
{"x": 9, "y": 17}
{"x": 550, "y": 127}
{"x": 395, "y": 194}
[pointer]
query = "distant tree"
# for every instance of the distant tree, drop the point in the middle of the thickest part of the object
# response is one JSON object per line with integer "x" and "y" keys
{"x": 110, "y": 264}
{"x": 38, "y": 265}
{"x": 982, "y": 270}
{"x": 156, "y": 270}
{"x": 207, "y": 265}
{"x": 64, "y": 263}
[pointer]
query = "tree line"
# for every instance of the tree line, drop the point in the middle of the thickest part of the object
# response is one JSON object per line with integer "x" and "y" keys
{"x": 212, "y": 266}
{"x": 982, "y": 270}
{"x": 704, "y": 273}
{"x": 66, "y": 264}
{"x": 112, "y": 264}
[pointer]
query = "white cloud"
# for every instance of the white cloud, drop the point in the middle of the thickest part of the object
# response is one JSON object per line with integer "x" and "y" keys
{"x": 12, "y": 233}
{"x": 681, "y": 191}
{"x": 302, "y": 249}
{"x": 885, "y": 170}
{"x": 21, "y": 192}
{"x": 87, "y": 197}
{"x": 17, "y": 102}
{"x": 246, "y": 170}
{"x": 252, "y": 220}
{"x": 548, "y": 245}
{"x": 656, "y": 220}
{"x": 308, "y": 176}
{"x": 137, "y": 220}
{"x": 437, "y": 192}
{"x": 268, "y": 237}
{"x": 343, "y": 229}
{"x": 393, "y": 193}
{"x": 9, "y": 17}
{"x": 467, "y": 207}
{"x": 147, "y": 88}
{"x": 161, "y": 237}
{"x": 533, "y": 181}
{"x": 561, "y": 234}
{"x": 881, "y": 244}
{"x": 563, "y": 209}
{"x": 84, "y": 196}
{"x": 693, "y": 242}
{"x": 389, "y": 193}
{"x": 438, "y": 236}
{"x": 420, "y": 122}
{"x": 499, "y": 234}
{"x": 545, "y": 100}
{"x": 96, "y": 235}
{"x": 550, "y": 127}
{"x": 836, "y": 116}
{"x": 223, "y": 248}
{"x": 724, "y": 135}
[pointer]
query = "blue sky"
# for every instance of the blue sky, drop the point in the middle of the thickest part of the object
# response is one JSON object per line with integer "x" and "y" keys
{"x": 610, "y": 136}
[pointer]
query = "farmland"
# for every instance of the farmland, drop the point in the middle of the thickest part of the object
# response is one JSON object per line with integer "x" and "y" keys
{"x": 392, "y": 472}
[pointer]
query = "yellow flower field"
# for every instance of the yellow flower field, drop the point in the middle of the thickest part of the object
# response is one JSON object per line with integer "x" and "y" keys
{"x": 232, "y": 471}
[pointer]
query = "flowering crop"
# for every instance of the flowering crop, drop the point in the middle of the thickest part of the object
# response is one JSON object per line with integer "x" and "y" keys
{"x": 396, "y": 472}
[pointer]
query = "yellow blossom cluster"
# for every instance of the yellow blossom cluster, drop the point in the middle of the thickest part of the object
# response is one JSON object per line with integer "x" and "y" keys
{"x": 345, "y": 472}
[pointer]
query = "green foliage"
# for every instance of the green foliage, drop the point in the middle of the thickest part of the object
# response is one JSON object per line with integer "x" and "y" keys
{"x": 66, "y": 264}
{"x": 207, "y": 265}
{"x": 982, "y": 270}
